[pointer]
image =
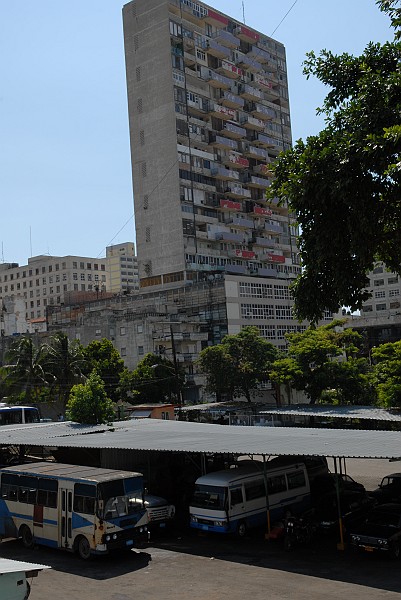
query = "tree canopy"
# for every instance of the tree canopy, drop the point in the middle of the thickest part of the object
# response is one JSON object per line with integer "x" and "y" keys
{"x": 344, "y": 183}
{"x": 88, "y": 403}
{"x": 323, "y": 362}
{"x": 387, "y": 373}
{"x": 238, "y": 364}
{"x": 106, "y": 360}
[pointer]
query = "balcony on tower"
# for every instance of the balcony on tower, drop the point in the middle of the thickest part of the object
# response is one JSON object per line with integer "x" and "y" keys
{"x": 224, "y": 37}
{"x": 222, "y": 112}
{"x": 247, "y": 63}
{"x": 215, "y": 49}
{"x": 232, "y": 100}
{"x": 257, "y": 182}
{"x": 216, "y": 80}
{"x": 234, "y": 159}
{"x": 263, "y": 170}
{"x": 233, "y": 131}
{"x": 235, "y": 269}
{"x": 223, "y": 173}
{"x": 235, "y": 190}
{"x": 224, "y": 143}
{"x": 254, "y": 152}
{"x": 250, "y": 92}
{"x": 246, "y": 254}
{"x": 262, "y": 242}
{"x": 240, "y": 223}
{"x": 229, "y": 236}
{"x": 230, "y": 205}
{"x": 229, "y": 69}
{"x": 252, "y": 123}
{"x": 267, "y": 141}
{"x": 262, "y": 112}
{"x": 261, "y": 211}
{"x": 247, "y": 35}
{"x": 273, "y": 227}
{"x": 261, "y": 55}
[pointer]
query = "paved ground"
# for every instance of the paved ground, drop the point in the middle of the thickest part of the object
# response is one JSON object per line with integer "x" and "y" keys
{"x": 189, "y": 567}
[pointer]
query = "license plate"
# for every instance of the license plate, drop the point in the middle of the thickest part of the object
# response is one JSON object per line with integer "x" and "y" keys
{"x": 129, "y": 543}
{"x": 162, "y": 525}
{"x": 205, "y": 527}
{"x": 368, "y": 549}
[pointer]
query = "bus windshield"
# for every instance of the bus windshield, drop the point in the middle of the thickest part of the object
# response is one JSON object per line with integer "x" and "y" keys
{"x": 121, "y": 497}
{"x": 209, "y": 496}
{"x": 14, "y": 415}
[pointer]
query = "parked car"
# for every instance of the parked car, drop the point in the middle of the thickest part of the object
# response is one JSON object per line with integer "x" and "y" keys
{"x": 381, "y": 532}
{"x": 389, "y": 489}
{"x": 160, "y": 511}
{"x": 354, "y": 505}
{"x": 322, "y": 484}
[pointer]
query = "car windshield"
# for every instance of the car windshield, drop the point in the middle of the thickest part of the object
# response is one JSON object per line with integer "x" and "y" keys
{"x": 384, "y": 518}
{"x": 209, "y": 496}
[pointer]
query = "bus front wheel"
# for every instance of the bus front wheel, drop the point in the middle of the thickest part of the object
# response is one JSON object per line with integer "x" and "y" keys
{"x": 83, "y": 548}
{"x": 26, "y": 537}
{"x": 241, "y": 531}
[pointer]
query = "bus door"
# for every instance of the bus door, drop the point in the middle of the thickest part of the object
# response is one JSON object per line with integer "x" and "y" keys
{"x": 236, "y": 506}
{"x": 65, "y": 518}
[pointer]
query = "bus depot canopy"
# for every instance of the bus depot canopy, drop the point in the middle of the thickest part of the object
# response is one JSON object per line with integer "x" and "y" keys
{"x": 336, "y": 412}
{"x": 181, "y": 436}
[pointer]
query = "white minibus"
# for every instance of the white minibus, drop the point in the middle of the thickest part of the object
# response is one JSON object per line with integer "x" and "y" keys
{"x": 242, "y": 497}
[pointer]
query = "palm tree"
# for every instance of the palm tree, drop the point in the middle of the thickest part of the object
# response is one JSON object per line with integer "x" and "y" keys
{"x": 65, "y": 361}
{"x": 25, "y": 369}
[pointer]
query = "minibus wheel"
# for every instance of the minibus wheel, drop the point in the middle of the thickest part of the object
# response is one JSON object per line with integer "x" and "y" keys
{"x": 26, "y": 536}
{"x": 83, "y": 548}
{"x": 241, "y": 530}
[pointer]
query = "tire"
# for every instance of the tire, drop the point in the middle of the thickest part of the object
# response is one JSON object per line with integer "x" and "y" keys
{"x": 83, "y": 548}
{"x": 241, "y": 529}
{"x": 395, "y": 551}
{"x": 26, "y": 537}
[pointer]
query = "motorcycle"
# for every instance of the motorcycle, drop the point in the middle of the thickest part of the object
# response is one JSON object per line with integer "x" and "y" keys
{"x": 298, "y": 531}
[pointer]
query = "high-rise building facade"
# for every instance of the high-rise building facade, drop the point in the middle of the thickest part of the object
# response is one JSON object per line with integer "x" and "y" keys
{"x": 122, "y": 266}
{"x": 208, "y": 111}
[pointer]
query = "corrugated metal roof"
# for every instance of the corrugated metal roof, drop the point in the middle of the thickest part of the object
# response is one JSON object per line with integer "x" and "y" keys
{"x": 336, "y": 412}
{"x": 180, "y": 436}
{"x": 17, "y": 566}
{"x": 78, "y": 472}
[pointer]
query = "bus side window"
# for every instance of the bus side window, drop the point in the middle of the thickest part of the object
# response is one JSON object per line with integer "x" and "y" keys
{"x": 84, "y": 498}
{"x": 9, "y": 486}
{"x": 47, "y": 492}
{"x": 296, "y": 479}
{"x": 255, "y": 490}
{"x": 28, "y": 487}
{"x": 236, "y": 496}
{"x": 276, "y": 484}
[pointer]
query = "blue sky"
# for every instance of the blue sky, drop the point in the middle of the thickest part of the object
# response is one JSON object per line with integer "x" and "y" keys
{"x": 65, "y": 176}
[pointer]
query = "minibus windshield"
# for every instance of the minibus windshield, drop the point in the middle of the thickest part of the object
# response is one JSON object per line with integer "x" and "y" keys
{"x": 209, "y": 496}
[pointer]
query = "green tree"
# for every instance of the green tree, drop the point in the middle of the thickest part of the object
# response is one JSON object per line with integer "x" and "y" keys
{"x": 65, "y": 361}
{"x": 387, "y": 374}
{"x": 106, "y": 360}
{"x": 155, "y": 379}
{"x": 238, "y": 364}
{"x": 343, "y": 184}
{"x": 324, "y": 360}
{"x": 24, "y": 374}
{"x": 88, "y": 402}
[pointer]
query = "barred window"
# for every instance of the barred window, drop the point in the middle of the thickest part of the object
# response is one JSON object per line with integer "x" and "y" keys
{"x": 257, "y": 311}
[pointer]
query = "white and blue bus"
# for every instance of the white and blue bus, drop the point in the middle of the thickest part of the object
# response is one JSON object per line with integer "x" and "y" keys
{"x": 16, "y": 415}
{"x": 237, "y": 499}
{"x": 80, "y": 509}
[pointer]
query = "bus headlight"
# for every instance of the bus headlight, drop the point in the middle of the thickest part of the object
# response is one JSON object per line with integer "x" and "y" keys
{"x": 114, "y": 536}
{"x": 107, "y": 538}
{"x": 220, "y": 523}
{"x": 194, "y": 519}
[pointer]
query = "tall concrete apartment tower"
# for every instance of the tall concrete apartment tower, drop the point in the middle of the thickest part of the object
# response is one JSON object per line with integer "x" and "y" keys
{"x": 208, "y": 111}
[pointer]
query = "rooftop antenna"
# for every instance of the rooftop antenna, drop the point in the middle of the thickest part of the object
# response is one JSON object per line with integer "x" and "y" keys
{"x": 30, "y": 239}
{"x": 243, "y": 11}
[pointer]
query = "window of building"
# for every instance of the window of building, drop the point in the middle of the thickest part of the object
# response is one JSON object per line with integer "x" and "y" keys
{"x": 82, "y": 265}
{"x": 57, "y": 267}
{"x": 381, "y": 307}
{"x": 75, "y": 276}
{"x": 392, "y": 280}
{"x": 82, "y": 276}
{"x": 98, "y": 332}
{"x": 140, "y": 351}
{"x": 393, "y": 293}
{"x": 378, "y": 282}
{"x": 74, "y": 264}
{"x": 122, "y": 331}
{"x": 123, "y": 352}
{"x": 380, "y": 294}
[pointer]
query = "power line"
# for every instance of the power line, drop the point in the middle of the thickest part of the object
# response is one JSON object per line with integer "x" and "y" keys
{"x": 285, "y": 16}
